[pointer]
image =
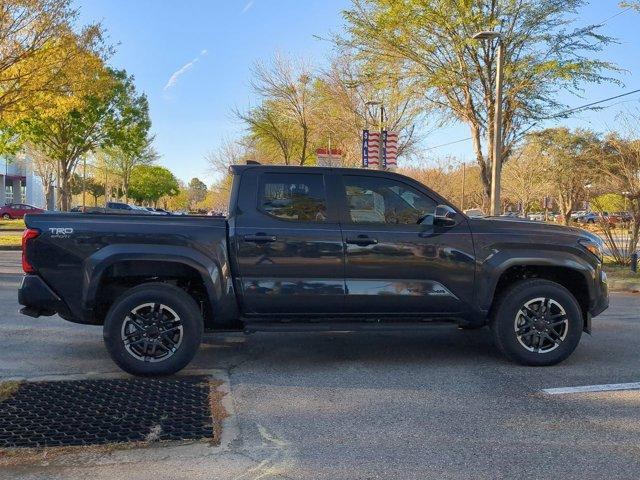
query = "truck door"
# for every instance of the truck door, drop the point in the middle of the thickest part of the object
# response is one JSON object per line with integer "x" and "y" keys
{"x": 400, "y": 259}
{"x": 288, "y": 244}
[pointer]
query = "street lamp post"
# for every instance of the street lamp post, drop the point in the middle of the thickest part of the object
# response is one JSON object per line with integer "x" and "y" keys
{"x": 496, "y": 167}
{"x": 381, "y": 105}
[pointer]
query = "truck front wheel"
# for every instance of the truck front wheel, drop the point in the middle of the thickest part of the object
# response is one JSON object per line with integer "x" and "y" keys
{"x": 537, "y": 322}
{"x": 153, "y": 329}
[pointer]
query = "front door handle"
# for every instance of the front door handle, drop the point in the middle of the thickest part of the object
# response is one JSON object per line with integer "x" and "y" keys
{"x": 361, "y": 240}
{"x": 260, "y": 238}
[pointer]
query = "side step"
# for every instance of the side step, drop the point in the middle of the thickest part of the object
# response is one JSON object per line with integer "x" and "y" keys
{"x": 341, "y": 326}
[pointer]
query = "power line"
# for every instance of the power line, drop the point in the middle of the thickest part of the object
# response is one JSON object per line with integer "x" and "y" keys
{"x": 449, "y": 143}
{"x": 582, "y": 107}
{"x": 615, "y": 15}
{"x": 559, "y": 114}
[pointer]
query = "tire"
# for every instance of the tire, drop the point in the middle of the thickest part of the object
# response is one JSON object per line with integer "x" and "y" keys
{"x": 172, "y": 326}
{"x": 520, "y": 307}
{"x": 6, "y": 216}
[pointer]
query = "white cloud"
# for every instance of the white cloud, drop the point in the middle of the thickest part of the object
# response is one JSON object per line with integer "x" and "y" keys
{"x": 173, "y": 79}
{"x": 248, "y": 6}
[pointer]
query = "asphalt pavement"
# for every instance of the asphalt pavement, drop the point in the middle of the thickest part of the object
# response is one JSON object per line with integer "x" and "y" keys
{"x": 439, "y": 404}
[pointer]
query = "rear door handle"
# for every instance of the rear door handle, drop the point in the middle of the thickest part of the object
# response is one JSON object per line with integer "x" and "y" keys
{"x": 362, "y": 240}
{"x": 260, "y": 238}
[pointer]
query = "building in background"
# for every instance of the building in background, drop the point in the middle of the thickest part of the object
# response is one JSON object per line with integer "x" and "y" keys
{"x": 19, "y": 183}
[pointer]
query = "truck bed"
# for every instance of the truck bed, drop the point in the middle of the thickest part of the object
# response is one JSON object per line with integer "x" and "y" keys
{"x": 74, "y": 251}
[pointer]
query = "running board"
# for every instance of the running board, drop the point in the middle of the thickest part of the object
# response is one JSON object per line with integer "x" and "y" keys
{"x": 341, "y": 326}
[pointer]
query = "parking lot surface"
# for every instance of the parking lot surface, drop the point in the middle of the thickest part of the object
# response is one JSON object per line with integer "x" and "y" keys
{"x": 438, "y": 404}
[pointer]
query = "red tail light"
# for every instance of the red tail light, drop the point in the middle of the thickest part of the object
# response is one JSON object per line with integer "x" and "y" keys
{"x": 28, "y": 234}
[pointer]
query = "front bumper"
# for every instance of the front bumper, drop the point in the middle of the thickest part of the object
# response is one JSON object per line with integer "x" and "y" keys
{"x": 601, "y": 301}
{"x": 38, "y": 299}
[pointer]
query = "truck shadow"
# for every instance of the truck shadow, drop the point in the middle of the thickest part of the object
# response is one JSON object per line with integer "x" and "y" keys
{"x": 441, "y": 345}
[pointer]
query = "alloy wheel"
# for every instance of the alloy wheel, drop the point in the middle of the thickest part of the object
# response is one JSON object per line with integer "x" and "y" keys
{"x": 541, "y": 325}
{"x": 152, "y": 332}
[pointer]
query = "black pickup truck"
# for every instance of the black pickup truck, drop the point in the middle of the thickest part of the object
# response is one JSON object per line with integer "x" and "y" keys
{"x": 308, "y": 249}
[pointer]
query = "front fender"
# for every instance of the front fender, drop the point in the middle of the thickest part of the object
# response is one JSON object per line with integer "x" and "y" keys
{"x": 490, "y": 271}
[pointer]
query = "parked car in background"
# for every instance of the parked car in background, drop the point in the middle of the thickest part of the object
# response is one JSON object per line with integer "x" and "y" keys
{"x": 474, "y": 213}
{"x": 512, "y": 215}
{"x": 149, "y": 210}
{"x": 575, "y": 216}
{"x": 120, "y": 207}
{"x": 18, "y": 210}
{"x": 619, "y": 218}
{"x": 592, "y": 217}
{"x": 536, "y": 216}
{"x": 158, "y": 211}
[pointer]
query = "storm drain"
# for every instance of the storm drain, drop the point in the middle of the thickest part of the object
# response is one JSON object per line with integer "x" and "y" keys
{"x": 95, "y": 412}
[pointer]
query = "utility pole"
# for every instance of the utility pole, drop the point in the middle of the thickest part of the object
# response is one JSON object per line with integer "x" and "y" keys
{"x": 381, "y": 129}
{"x": 464, "y": 178}
{"x": 496, "y": 165}
{"x": 383, "y": 149}
{"x": 84, "y": 184}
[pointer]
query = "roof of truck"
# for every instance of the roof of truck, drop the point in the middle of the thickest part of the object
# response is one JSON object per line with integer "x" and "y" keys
{"x": 238, "y": 169}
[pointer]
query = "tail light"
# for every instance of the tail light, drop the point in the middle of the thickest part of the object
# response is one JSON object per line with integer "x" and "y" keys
{"x": 29, "y": 234}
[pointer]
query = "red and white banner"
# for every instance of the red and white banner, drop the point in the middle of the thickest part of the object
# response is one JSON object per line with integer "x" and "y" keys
{"x": 390, "y": 149}
{"x": 373, "y": 149}
{"x": 328, "y": 158}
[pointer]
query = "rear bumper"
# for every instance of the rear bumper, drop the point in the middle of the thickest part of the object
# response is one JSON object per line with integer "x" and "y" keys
{"x": 38, "y": 299}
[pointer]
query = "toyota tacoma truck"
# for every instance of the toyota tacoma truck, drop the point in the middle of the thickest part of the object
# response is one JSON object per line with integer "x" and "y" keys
{"x": 312, "y": 249}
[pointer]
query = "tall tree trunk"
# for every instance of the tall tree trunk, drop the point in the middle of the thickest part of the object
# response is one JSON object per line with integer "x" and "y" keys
{"x": 485, "y": 174}
{"x": 47, "y": 190}
{"x": 64, "y": 192}
{"x": 305, "y": 141}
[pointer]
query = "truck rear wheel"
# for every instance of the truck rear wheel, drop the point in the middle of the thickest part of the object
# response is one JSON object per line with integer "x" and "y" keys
{"x": 537, "y": 322}
{"x": 153, "y": 329}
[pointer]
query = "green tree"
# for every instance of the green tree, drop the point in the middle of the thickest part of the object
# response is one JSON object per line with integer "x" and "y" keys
{"x": 111, "y": 116}
{"x": 95, "y": 188}
{"x": 196, "y": 192}
{"x": 151, "y": 182}
{"x": 427, "y": 45}
{"x": 609, "y": 202}
{"x": 123, "y": 161}
{"x": 282, "y": 125}
{"x": 40, "y": 58}
{"x": 524, "y": 179}
{"x": 568, "y": 157}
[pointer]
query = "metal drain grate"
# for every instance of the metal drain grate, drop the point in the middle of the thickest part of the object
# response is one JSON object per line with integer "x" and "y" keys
{"x": 94, "y": 412}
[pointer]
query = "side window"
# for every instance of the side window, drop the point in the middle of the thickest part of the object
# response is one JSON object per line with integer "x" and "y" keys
{"x": 383, "y": 200}
{"x": 298, "y": 197}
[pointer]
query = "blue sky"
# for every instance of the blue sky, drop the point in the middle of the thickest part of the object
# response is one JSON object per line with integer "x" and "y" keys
{"x": 193, "y": 59}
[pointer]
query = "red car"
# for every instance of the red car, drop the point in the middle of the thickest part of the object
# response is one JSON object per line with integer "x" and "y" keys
{"x": 18, "y": 210}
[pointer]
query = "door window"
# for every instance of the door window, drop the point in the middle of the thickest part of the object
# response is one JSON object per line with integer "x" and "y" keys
{"x": 385, "y": 201}
{"x": 298, "y": 197}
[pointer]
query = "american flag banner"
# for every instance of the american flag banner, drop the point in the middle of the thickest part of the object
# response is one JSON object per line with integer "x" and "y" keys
{"x": 373, "y": 149}
{"x": 390, "y": 149}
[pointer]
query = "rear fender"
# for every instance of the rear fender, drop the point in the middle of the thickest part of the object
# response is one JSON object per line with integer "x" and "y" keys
{"x": 214, "y": 272}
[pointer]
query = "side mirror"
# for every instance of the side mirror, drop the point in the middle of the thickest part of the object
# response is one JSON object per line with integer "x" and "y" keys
{"x": 445, "y": 216}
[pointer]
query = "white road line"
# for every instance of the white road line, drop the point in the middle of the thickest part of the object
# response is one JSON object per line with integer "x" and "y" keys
{"x": 608, "y": 387}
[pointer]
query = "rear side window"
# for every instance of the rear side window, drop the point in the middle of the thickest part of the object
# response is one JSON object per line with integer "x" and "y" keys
{"x": 298, "y": 197}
